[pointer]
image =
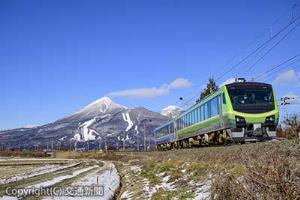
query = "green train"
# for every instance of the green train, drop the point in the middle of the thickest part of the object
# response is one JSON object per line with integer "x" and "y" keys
{"x": 237, "y": 112}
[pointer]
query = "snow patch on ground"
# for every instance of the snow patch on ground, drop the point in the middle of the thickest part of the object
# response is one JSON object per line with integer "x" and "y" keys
{"x": 135, "y": 169}
{"x": 202, "y": 192}
{"x": 202, "y": 189}
{"x": 148, "y": 189}
{"x": 9, "y": 198}
{"x": 61, "y": 178}
{"x": 107, "y": 176}
{"x": 36, "y": 172}
{"x": 126, "y": 195}
{"x": 165, "y": 185}
{"x": 127, "y": 119}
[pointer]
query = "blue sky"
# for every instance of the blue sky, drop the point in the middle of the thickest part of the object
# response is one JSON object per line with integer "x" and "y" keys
{"x": 58, "y": 56}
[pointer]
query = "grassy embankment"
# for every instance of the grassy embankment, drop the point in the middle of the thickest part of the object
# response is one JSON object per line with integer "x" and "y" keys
{"x": 269, "y": 170}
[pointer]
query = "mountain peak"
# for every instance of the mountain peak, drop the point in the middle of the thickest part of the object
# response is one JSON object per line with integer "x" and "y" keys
{"x": 102, "y": 105}
{"x": 105, "y": 100}
{"x": 171, "y": 111}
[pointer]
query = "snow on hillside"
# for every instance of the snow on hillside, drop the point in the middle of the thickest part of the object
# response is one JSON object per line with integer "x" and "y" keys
{"x": 97, "y": 121}
{"x": 127, "y": 119}
{"x": 171, "y": 111}
{"x": 85, "y": 132}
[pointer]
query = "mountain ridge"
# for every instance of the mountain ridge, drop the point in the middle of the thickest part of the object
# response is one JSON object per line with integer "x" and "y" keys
{"x": 102, "y": 121}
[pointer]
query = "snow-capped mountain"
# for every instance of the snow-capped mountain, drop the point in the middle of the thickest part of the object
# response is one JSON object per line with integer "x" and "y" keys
{"x": 171, "y": 111}
{"x": 101, "y": 106}
{"x": 101, "y": 122}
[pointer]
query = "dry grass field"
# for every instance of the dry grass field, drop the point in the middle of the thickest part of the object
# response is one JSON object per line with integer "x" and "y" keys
{"x": 269, "y": 170}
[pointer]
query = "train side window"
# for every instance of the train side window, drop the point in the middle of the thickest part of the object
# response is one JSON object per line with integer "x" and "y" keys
{"x": 187, "y": 120}
{"x": 224, "y": 99}
{"x": 209, "y": 109}
{"x": 181, "y": 123}
{"x": 214, "y": 107}
{"x": 201, "y": 114}
{"x": 195, "y": 116}
{"x": 205, "y": 111}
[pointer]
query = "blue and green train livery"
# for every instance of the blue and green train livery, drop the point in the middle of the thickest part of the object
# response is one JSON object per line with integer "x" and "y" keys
{"x": 239, "y": 112}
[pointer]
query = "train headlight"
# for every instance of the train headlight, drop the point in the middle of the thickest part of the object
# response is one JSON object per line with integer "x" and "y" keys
{"x": 240, "y": 121}
{"x": 270, "y": 118}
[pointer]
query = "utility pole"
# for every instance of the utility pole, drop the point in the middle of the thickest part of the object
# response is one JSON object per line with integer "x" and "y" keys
{"x": 59, "y": 146}
{"x": 137, "y": 142}
{"x": 145, "y": 145}
{"x": 286, "y": 101}
{"x": 149, "y": 142}
{"x": 144, "y": 137}
{"x": 123, "y": 144}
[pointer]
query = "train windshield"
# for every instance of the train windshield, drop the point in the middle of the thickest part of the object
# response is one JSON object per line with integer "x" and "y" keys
{"x": 251, "y": 98}
{"x": 243, "y": 96}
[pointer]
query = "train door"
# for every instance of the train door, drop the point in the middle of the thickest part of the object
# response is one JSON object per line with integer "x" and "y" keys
{"x": 220, "y": 104}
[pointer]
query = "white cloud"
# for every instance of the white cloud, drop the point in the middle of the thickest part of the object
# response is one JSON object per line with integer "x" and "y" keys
{"x": 287, "y": 77}
{"x": 180, "y": 83}
{"x": 153, "y": 92}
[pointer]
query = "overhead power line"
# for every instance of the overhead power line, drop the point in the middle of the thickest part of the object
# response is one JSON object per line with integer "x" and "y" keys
{"x": 257, "y": 49}
{"x": 275, "y": 45}
{"x": 255, "y": 39}
{"x": 276, "y": 67}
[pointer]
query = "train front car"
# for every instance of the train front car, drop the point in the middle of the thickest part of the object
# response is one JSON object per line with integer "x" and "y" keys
{"x": 252, "y": 112}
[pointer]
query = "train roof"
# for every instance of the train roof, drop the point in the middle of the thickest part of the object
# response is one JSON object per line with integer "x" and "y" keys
{"x": 248, "y": 84}
{"x": 164, "y": 124}
{"x": 220, "y": 89}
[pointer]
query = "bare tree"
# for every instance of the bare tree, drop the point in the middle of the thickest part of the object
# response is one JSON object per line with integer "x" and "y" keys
{"x": 292, "y": 126}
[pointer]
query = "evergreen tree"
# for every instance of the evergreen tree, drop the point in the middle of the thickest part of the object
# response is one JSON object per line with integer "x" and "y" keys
{"x": 211, "y": 87}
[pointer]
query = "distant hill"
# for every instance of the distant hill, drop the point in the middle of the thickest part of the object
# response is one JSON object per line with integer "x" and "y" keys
{"x": 101, "y": 122}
